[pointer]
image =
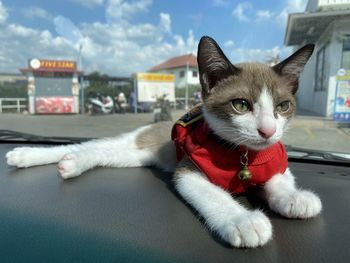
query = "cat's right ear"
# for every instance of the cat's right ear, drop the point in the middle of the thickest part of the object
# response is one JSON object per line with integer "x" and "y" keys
{"x": 213, "y": 65}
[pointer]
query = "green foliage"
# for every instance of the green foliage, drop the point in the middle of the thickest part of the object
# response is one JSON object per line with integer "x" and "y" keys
{"x": 13, "y": 90}
{"x": 100, "y": 85}
{"x": 181, "y": 92}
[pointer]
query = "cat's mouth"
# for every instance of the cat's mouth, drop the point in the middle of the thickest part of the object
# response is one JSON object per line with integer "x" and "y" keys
{"x": 260, "y": 144}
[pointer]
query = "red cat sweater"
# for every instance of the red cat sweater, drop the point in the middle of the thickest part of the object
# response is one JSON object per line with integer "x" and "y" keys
{"x": 193, "y": 138}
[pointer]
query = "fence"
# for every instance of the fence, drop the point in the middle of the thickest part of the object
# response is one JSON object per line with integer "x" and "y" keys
{"x": 13, "y": 103}
{"x": 180, "y": 102}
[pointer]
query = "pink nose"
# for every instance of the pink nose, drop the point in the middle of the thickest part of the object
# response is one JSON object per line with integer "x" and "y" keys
{"x": 267, "y": 126}
{"x": 266, "y": 133}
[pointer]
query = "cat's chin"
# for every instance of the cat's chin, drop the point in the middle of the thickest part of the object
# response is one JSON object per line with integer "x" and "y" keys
{"x": 259, "y": 145}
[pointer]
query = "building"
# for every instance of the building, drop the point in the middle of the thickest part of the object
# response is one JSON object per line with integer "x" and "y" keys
{"x": 325, "y": 23}
{"x": 12, "y": 78}
{"x": 184, "y": 68}
{"x": 53, "y": 86}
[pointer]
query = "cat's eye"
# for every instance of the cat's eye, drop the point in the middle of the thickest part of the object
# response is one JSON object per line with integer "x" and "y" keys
{"x": 241, "y": 105}
{"x": 283, "y": 106}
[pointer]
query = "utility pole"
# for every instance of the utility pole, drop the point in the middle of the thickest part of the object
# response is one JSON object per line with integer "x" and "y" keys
{"x": 186, "y": 94}
{"x": 81, "y": 78}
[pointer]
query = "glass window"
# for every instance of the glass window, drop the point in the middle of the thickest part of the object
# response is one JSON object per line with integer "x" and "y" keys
{"x": 195, "y": 74}
{"x": 182, "y": 73}
{"x": 346, "y": 53}
{"x": 321, "y": 70}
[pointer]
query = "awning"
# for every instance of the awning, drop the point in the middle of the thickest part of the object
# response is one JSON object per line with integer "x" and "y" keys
{"x": 303, "y": 28}
{"x": 25, "y": 70}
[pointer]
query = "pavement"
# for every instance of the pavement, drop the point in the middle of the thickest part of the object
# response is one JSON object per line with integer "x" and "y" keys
{"x": 312, "y": 132}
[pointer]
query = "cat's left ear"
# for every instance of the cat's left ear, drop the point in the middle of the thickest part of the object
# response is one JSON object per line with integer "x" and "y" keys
{"x": 291, "y": 67}
{"x": 213, "y": 65}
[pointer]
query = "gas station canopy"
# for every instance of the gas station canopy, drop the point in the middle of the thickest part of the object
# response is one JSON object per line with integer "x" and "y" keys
{"x": 304, "y": 28}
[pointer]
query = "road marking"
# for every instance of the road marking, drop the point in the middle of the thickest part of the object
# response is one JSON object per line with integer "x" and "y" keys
{"x": 309, "y": 132}
{"x": 340, "y": 131}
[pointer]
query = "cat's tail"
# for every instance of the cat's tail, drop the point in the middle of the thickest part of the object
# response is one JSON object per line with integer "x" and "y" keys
{"x": 145, "y": 146}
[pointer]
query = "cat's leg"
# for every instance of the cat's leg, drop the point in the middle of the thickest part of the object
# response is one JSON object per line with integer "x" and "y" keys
{"x": 286, "y": 199}
{"x": 75, "y": 163}
{"x": 23, "y": 157}
{"x": 233, "y": 222}
{"x": 144, "y": 146}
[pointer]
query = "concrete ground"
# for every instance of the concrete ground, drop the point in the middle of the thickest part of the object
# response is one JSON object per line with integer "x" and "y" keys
{"x": 305, "y": 131}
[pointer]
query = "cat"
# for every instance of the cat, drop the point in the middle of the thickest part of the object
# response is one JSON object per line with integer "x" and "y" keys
{"x": 246, "y": 109}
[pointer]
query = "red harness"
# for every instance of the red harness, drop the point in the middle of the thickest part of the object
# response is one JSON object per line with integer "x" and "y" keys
{"x": 193, "y": 138}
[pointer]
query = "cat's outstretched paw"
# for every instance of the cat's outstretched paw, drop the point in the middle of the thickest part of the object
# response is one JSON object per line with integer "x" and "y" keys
{"x": 68, "y": 167}
{"x": 23, "y": 157}
{"x": 249, "y": 229}
{"x": 299, "y": 204}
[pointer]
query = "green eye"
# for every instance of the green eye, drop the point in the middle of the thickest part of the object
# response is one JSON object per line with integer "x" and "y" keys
{"x": 283, "y": 106}
{"x": 241, "y": 105}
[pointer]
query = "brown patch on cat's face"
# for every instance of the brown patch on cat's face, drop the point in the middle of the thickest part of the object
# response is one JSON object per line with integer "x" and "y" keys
{"x": 259, "y": 118}
{"x": 248, "y": 84}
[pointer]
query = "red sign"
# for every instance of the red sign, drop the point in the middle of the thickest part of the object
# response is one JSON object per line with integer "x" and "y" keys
{"x": 54, "y": 105}
{"x": 60, "y": 65}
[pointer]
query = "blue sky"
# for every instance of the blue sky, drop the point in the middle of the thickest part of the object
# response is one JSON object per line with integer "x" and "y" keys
{"x": 120, "y": 37}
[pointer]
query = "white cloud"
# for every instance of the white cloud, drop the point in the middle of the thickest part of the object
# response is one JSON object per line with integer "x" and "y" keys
{"x": 239, "y": 55}
{"x": 66, "y": 28}
{"x": 36, "y": 12}
{"x": 165, "y": 22}
{"x": 89, "y": 3}
{"x": 263, "y": 15}
{"x": 229, "y": 44}
{"x": 3, "y": 13}
{"x": 223, "y": 3}
{"x": 240, "y": 11}
{"x": 19, "y": 43}
{"x": 296, "y": 5}
{"x": 112, "y": 47}
{"x": 293, "y": 6}
{"x": 117, "y": 10}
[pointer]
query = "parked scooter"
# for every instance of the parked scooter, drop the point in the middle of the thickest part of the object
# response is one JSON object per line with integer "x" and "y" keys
{"x": 162, "y": 110}
{"x": 101, "y": 105}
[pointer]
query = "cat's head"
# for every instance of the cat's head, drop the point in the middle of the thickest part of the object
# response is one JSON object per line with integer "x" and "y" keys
{"x": 249, "y": 103}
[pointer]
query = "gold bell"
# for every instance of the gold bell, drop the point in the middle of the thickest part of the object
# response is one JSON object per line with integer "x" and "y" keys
{"x": 244, "y": 174}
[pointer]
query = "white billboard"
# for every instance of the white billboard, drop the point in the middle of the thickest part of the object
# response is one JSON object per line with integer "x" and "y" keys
{"x": 151, "y": 86}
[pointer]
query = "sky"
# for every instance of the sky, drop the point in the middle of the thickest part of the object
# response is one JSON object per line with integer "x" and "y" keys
{"x": 120, "y": 37}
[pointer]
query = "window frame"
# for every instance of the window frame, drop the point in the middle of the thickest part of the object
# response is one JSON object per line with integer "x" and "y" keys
{"x": 319, "y": 80}
{"x": 346, "y": 38}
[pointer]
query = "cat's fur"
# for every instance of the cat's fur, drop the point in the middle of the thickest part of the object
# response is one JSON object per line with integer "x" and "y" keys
{"x": 222, "y": 82}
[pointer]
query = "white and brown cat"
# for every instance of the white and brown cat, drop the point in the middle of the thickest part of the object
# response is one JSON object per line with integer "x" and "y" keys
{"x": 245, "y": 106}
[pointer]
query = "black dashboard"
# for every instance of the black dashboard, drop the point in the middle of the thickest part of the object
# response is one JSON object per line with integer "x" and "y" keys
{"x": 134, "y": 215}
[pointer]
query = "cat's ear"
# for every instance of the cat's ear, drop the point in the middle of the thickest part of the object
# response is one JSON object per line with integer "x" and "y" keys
{"x": 213, "y": 65}
{"x": 291, "y": 67}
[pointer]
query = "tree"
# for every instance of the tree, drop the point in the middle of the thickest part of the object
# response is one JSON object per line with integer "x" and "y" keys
{"x": 101, "y": 83}
{"x": 13, "y": 90}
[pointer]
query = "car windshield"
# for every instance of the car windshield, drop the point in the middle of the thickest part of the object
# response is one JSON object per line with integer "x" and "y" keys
{"x": 97, "y": 68}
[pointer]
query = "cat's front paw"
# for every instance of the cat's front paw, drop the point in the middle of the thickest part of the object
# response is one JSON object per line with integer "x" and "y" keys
{"x": 22, "y": 157}
{"x": 299, "y": 204}
{"x": 249, "y": 229}
{"x": 68, "y": 167}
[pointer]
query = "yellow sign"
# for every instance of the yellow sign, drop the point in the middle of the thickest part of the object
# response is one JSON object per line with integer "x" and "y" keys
{"x": 343, "y": 74}
{"x": 155, "y": 77}
{"x": 52, "y": 64}
{"x": 57, "y": 64}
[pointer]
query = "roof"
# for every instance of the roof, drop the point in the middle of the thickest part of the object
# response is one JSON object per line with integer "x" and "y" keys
{"x": 303, "y": 28}
{"x": 177, "y": 62}
{"x": 25, "y": 70}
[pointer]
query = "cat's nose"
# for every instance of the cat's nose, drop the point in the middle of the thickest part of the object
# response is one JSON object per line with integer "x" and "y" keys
{"x": 267, "y": 126}
{"x": 266, "y": 132}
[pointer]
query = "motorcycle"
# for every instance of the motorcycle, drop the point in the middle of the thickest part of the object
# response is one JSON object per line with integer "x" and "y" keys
{"x": 101, "y": 105}
{"x": 162, "y": 110}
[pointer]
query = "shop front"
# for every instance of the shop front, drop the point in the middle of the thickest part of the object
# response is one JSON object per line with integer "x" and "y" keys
{"x": 53, "y": 86}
